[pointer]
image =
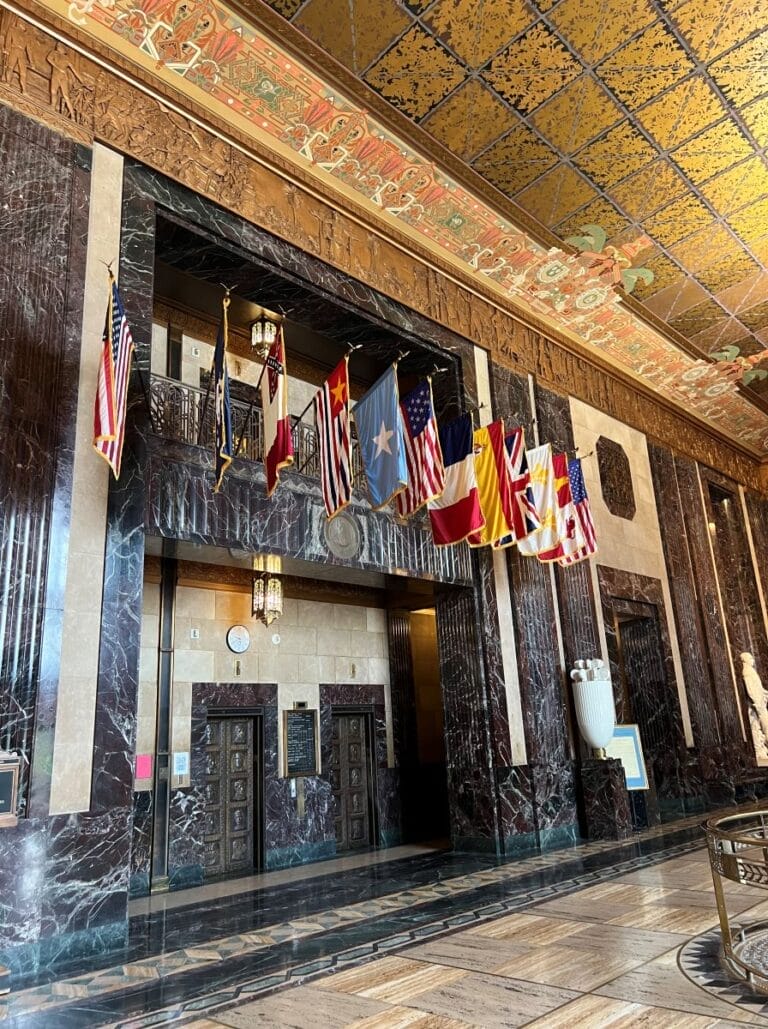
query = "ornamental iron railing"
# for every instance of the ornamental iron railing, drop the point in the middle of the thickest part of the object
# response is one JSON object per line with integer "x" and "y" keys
{"x": 181, "y": 412}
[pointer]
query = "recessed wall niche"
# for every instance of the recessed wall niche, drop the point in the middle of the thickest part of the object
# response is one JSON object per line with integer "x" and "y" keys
{"x": 615, "y": 478}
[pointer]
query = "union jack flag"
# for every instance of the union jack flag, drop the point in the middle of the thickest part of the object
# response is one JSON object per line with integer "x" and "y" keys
{"x": 526, "y": 517}
{"x": 426, "y": 470}
{"x": 333, "y": 432}
{"x": 583, "y": 513}
{"x": 112, "y": 391}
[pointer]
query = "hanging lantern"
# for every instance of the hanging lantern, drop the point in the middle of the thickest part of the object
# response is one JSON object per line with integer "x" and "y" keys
{"x": 267, "y": 597}
{"x": 263, "y": 333}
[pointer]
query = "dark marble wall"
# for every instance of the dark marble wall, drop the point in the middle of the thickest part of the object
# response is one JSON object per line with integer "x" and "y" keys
{"x": 706, "y": 670}
{"x": 290, "y": 836}
{"x": 643, "y": 675}
{"x": 736, "y": 574}
{"x": 69, "y": 899}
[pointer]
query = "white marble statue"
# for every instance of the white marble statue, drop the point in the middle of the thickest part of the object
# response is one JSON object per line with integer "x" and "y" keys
{"x": 593, "y": 700}
{"x": 758, "y": 715}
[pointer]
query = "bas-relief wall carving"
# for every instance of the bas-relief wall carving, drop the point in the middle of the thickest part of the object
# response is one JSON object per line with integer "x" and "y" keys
{"x": 95, "y": 104}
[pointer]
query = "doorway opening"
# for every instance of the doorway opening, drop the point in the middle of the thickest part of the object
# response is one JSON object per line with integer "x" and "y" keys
{"x": 233, "y": 795}
{"x": 425, "y": 777}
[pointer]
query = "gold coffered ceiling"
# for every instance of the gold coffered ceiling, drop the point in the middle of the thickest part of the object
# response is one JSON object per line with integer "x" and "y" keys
{"x": 641, "y": 116}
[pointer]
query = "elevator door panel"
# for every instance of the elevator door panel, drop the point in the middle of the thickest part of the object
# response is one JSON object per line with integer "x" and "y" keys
{"x": 230, "y": 793}
{"x": 350, "y": 781}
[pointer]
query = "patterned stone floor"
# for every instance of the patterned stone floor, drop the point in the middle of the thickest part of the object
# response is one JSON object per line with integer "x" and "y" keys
{"x": 587, "y": 936}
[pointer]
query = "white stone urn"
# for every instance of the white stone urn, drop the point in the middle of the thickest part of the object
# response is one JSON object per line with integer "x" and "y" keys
{"x": 593, "y": 699}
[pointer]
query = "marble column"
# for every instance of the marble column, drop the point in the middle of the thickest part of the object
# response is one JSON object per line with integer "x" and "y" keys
{"x": 606, "y": 802}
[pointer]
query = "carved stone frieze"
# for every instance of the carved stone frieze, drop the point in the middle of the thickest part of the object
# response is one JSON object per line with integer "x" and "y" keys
{"x": 72, "y": 94}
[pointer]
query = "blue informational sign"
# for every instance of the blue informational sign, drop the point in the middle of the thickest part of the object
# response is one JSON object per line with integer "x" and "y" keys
{"x": 626, "y": 746}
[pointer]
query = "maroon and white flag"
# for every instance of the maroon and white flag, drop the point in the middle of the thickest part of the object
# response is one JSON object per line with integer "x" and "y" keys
{"x": 278, "y": 442}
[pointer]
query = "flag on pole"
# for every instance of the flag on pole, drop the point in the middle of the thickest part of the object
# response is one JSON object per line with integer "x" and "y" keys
{"x": 542, "y": 476}
{"x": 493, "y": 484}
{"x": 525, "y": 518}
{"x": 221, "y": 402}
{"x": 583, "y": 514}
{"x": 570, "y": 539}
{"x": 278, "y": 441}
{"x": 456, "y": 513}
{"x": 426, "y": 472}
{"x": 334, "y": 438}
{"x": 381, "y": 435}
{"x": 112, "y": 390}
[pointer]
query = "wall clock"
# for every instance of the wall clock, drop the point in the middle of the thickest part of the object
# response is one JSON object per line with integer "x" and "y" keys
{"x": 238, "y": 639}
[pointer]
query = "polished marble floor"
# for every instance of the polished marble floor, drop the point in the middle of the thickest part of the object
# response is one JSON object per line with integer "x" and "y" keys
{"x": 585, "y": 936}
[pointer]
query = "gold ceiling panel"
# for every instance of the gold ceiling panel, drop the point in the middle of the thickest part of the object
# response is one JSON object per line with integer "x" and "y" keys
{"x": 471, "y": 118}
{"x": 665, "y": 273}
{"x": 677, "y": 220}
{"x": 680, "y": 113}
{"x": 605, "y": 28}
{"x": 619, "y": 153}
{"x": 556, "y": 194}
{"x": 742, "y": 73}
{"x": 516, "y": 160}
{"x": 756, "y": 117}
{"x": 598, "y": 212}
{"x": 725, "y": 272}
{"x": 649, "y": 189}
{"x": 532, "y": 69}
{"x": 354, "y": 31}
{"x": 751, "y": 223}
{"x": 640, "y": 116}
{"x": 706, "y": 246}
{"x": 416, "y": 73}
{"x": 713, "y": 28}
{"x": 576, "y": 115}
{"x": 697, "y": 319}
{"x": 755, "y": 318}
{"x": 736, "y": 187}
{"x": 712, "y": 152}
{"x": 475, "y": 32}
{"x": 646, "y": 66}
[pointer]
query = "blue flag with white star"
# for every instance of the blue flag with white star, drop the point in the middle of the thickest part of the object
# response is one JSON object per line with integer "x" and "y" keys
{"x": 381, "y": 436}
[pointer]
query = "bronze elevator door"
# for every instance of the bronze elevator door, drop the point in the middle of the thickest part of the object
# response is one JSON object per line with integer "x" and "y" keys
{"x": 230, "y": 796}
{"x": 351, "y": 782}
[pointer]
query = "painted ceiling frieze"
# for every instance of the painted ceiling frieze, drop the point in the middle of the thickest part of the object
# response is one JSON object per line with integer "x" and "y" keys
{"x": 213, "y": 54}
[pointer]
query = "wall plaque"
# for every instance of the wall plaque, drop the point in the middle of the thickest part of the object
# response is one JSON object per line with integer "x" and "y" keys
{"x": 626, "y": 746}
{"x": 9, "y": 787}
{"x": 300, "y": 742}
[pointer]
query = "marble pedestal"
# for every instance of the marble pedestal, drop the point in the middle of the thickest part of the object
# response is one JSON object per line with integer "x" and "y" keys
{"x": 606, "y": 801}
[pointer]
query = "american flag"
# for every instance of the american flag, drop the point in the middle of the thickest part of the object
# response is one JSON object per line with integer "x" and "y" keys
{"x": 112, "y": 392}
{"x": 583, "y": 513}
{"x": 333, "y": 432}
{"x": 426, "y": 471}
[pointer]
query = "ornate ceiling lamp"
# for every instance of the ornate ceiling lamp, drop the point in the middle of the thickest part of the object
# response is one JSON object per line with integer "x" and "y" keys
{"x": 263, "y": 333}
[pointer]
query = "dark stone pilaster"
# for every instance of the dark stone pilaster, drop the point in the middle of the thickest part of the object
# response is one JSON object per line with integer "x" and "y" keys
{"x": 606, "y": 803}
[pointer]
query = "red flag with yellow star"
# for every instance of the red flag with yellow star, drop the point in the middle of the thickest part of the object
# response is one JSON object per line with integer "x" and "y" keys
{"x": 334, "y": 438}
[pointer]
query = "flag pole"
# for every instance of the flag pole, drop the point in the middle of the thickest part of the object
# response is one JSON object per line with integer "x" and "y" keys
{"x": 211, "y": 374}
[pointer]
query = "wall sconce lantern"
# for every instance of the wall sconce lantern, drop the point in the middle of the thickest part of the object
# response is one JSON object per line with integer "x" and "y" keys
{"x": 267, "y": 588}
{"x": 263, "y": 333}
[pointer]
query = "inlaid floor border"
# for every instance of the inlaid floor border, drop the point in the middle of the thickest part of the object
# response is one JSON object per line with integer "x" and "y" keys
{"x": 246, "y": 992}
{"x": 701, "y": 961}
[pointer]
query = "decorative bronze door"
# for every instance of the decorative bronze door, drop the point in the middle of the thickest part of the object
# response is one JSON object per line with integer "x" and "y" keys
{"x": 230, "y": 796}
{"x": 351, "y": 782}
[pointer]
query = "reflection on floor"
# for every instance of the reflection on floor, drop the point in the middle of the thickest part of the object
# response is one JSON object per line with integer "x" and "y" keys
{"x": 587, "y": 936}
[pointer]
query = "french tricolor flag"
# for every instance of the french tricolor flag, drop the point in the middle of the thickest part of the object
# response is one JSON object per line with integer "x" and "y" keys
{"x": 456, "y": 514}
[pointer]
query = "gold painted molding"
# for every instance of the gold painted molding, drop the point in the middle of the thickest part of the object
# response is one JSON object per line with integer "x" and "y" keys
{"x": 110, "y": 100}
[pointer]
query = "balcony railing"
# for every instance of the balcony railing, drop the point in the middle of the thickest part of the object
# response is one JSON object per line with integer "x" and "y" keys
{"x": 180, "y": 412}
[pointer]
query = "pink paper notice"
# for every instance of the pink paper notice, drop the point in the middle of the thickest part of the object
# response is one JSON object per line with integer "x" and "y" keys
{"x": 143, "y": 766}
